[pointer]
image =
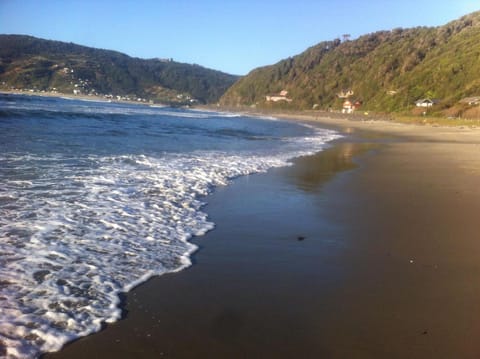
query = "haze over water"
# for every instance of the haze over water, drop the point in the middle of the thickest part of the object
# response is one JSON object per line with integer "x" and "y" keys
{"x": 96, "y": 198}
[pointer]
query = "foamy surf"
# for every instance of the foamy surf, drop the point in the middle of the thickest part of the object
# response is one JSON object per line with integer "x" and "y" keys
{"x": 78, "y": 227}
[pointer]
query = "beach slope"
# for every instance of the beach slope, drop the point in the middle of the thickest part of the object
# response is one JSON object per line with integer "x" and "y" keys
{"x": 366, "y": 250}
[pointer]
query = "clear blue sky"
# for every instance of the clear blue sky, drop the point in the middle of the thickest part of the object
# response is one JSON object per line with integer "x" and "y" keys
{"x": 234, "y": 36}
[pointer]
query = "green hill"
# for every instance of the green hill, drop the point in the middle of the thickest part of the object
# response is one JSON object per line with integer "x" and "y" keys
{"x": 386, "y": 71}
{"x": 31, "y": 63}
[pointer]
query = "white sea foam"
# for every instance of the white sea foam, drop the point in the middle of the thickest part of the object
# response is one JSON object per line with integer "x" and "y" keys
{"x": 73, "y": 238}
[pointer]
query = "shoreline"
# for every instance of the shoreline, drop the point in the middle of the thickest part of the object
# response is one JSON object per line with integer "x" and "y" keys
{"x": 345, "y": 220}
{"x": 385, "y": 266}
{"x": 378, "y": 123}
{"x": 139, "y": 305}
{"x": 86, "y": 98}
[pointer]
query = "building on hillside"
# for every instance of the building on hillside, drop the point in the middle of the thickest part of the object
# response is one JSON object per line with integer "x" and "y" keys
{"x": 472, "y": 101}
{"x": 282, "y": 96}
{"x": 426, "y": 102}
{"x": 345, "y": 93}
{"x": 349, "y": 106}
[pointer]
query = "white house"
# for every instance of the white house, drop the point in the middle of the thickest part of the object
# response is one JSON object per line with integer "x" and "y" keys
{"x": 426, "y": 102}
{"x": 282, "y": 96}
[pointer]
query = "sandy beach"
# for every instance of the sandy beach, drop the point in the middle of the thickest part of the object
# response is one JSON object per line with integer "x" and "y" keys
{"x": 368, "y": 249}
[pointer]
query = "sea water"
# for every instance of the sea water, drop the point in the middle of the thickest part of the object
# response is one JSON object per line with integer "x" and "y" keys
{"x": 96, "y": 198}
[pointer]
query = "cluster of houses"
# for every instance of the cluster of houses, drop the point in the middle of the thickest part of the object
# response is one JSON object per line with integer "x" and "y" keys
{"x": 186, "y": 97}
{"x": 82, "y": 86}
{"x": 110, "y": 97}
{"x": 124, "y": 98}
{"x": 52, "y": 90}
{"x": 349, "y": 105}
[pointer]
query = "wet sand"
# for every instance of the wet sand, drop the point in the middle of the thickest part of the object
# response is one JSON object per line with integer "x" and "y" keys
{"x": 370, "y": 249}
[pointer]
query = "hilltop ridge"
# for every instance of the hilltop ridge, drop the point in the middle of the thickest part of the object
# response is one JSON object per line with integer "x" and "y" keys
{"x": 384, "y": 71}
{"x": 35, "y": 64}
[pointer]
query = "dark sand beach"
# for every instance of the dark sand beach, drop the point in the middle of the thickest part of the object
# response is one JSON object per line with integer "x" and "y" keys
{"x": 370, "y": 249}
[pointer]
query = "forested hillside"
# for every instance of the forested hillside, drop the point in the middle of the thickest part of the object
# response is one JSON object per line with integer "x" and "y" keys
{"x": 384, "y": 71}
{"x": 31, "y": 63}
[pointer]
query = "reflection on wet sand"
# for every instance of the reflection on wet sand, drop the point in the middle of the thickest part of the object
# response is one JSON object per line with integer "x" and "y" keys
{"x": 312, "y": 172}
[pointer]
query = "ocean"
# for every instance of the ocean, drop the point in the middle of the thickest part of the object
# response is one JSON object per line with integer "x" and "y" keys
{"x": 97, "y": 197}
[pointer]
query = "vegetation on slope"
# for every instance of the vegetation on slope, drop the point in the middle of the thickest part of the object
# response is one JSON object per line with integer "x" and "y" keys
{"x": 32, "y": 63}
{"x": 387, "y": 71}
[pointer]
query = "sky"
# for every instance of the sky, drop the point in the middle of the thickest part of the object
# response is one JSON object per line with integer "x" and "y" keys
{"x": 233, "y": 36}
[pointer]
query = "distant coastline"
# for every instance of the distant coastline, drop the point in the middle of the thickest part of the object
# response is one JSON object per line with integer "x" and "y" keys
{"x": 385, "y": 123}
{"x": 92, "y": 98}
